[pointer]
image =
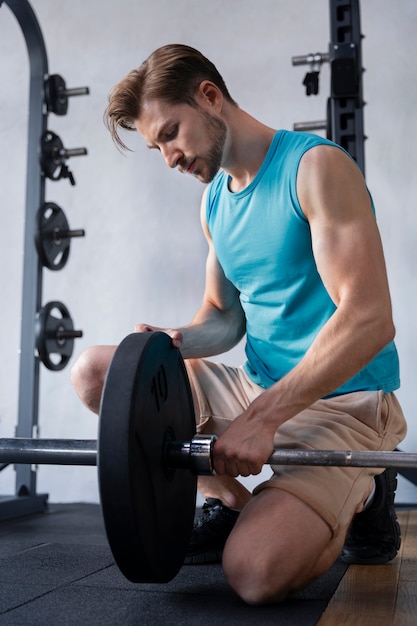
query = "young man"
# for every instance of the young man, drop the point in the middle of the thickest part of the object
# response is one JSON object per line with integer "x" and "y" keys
{"x": 295, "y": 262}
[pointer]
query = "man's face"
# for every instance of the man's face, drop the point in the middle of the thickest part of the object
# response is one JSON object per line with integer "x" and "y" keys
{"x": 188, "y": 137}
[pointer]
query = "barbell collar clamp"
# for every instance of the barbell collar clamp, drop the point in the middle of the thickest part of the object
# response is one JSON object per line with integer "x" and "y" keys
{"x": 195, "y": 455}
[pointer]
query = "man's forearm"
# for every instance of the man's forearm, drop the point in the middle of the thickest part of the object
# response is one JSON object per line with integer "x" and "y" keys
{"x": 212, "y": 332}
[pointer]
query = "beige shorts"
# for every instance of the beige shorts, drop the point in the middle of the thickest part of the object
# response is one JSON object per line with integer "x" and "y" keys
{"x": 365, "y": 420}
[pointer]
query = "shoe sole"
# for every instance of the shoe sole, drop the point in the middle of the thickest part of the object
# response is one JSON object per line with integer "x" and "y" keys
{"x": 386, "y": 558}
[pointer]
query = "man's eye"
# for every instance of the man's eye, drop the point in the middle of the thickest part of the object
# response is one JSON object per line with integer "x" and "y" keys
{"x": 172, "y": 134}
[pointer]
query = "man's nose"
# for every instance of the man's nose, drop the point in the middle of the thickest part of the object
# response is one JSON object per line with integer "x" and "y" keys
{"x": 171, "y": 155}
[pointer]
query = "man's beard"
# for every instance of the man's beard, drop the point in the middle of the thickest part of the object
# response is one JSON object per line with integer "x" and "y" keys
{"x": 217, "y": 135}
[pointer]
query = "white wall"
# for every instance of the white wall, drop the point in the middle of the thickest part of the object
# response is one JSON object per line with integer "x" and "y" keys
{"x": 143, "y": 257}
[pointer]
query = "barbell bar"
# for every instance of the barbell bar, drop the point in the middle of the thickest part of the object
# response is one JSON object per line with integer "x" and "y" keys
{"x": 20, "y": 450}
{"x": 146, "y": 438}
{"x": 195, "y": 455}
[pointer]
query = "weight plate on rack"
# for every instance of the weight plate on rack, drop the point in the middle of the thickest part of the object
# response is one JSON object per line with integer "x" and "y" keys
{"x": 55, "y": 335}
{"x": 52, "y": 244}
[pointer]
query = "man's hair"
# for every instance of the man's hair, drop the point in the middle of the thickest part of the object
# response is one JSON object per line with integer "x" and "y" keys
{"x": 171, "y": 74}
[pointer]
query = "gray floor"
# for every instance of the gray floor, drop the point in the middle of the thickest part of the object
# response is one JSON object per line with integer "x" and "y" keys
{"x": 56, "y": 570}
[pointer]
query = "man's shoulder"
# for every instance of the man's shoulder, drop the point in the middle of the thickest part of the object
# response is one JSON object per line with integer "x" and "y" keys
{"x": 304, "y": 140}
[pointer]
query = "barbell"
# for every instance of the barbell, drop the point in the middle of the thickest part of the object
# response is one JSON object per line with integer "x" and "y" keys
{"x": 148, "y": 457}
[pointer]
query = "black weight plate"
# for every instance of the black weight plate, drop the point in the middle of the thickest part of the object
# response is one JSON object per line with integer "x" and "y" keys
{"x": 47, "y": 327}
{"x": 53, "y": 250}
{"x": 148, "y": 509}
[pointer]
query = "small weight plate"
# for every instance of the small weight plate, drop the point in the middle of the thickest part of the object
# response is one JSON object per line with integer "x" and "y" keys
{"x": 148, "y": 509}
{"x": 53, "y": 250}
{"x": 53, "y": 351}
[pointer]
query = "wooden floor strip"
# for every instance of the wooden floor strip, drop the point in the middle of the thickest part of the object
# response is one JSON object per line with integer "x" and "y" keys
{"x": 380, "y": 595}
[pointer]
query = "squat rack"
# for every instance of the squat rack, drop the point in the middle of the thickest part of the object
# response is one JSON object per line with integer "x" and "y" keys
{"x": 46, "y": 94}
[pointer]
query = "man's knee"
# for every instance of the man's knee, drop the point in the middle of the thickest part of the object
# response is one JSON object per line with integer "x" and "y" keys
{"x": 256, "y": 581}
{"x": 260, "y": 580}
{"x": 88, "y": 374}
{"x": 258, "y": 575}
{"x": 278, "y": 546}
{"x": 85, "y": 369}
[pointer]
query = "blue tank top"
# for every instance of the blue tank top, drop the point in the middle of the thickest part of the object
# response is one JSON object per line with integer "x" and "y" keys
{"x": 263, "y": 243}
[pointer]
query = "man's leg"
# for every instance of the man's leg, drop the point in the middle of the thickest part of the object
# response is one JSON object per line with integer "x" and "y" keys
{"x": 279, "y": 545}
{"x": 379, "y": 421}
{"x": 88, "y": 375}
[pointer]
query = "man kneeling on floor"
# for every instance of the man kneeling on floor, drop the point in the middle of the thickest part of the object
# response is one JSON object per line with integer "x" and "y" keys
{"x": 295, "y": 262}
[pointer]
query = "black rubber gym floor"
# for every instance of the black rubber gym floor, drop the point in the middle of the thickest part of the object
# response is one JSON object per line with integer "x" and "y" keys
{"x": 56, "y": 569}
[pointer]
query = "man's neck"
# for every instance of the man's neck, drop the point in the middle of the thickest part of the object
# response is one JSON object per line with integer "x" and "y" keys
{"x": 249, "y": 141}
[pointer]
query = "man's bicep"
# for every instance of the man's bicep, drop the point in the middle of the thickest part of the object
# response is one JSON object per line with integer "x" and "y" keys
{"x": 350, "y": 260}
{"x": 345, "y": 237}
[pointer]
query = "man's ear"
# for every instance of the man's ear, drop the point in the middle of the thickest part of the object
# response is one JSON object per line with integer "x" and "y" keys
{"x": 210, "y": 96}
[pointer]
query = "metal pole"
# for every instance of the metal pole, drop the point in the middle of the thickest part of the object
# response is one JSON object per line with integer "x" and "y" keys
{"x": 32, "y": 270}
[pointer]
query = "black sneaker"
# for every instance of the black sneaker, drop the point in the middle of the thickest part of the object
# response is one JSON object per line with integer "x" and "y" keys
{"x": 210, "y": 532}
{"x": 374, "y": 536}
